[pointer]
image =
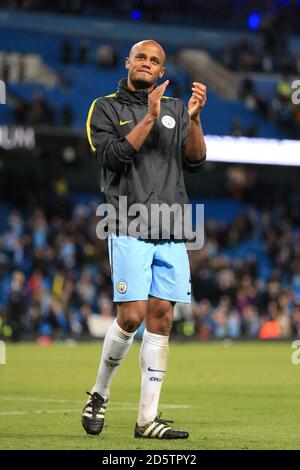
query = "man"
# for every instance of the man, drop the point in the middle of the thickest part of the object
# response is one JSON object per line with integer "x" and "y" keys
{"x": 142, "y": 140}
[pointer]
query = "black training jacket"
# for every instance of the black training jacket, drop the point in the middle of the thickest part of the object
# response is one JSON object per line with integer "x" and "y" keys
{"x": 152, "y": 175}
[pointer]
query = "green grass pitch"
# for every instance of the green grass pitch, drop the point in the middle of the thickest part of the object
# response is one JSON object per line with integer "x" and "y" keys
{"x": 228, "y": 396}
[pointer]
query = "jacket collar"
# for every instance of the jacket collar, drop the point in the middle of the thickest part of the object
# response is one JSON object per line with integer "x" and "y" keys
{"x": 127, "y": 96}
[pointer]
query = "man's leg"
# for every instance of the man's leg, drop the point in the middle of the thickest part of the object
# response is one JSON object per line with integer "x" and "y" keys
{"x": 117, "y": 343}
{"x": 170, "y": 281}
{"x": 154, "y": 356}
{"x": 131, "y": 262}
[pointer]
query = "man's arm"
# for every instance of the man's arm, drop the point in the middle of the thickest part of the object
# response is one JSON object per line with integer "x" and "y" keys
{"x": 113, "y": 151}
{"x": 195, "y": 148}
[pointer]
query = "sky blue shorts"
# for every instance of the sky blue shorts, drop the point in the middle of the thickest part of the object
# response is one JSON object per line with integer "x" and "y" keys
{"x": 141, "y": 268}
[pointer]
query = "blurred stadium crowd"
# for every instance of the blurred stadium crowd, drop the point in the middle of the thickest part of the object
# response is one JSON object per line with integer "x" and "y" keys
{"x": 54, "y": 274}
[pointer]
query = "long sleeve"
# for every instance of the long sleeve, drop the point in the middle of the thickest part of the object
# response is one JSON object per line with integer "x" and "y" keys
{"x": 111, "y": 150}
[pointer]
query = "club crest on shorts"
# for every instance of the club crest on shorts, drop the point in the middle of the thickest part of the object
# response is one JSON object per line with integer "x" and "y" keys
{"x": 122, "y": 287}
{"x": 168, "y": 121}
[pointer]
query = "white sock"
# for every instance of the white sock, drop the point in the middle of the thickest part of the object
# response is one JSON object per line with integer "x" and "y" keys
{"x": 153, "y": 360}
{"x": 116, "y": 345}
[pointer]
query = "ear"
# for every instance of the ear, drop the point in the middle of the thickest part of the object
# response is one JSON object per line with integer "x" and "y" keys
{"x": 127, "y": 62}
{"x": 162, "y": 72}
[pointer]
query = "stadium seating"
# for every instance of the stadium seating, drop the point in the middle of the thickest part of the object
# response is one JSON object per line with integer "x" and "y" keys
{"x": 81, "y": 83}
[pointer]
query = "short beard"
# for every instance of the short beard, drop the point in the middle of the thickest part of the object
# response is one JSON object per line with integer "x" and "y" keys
{"x": 141, "y": 84}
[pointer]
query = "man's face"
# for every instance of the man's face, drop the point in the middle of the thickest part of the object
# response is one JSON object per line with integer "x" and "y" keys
{"x": 145, "y": 65}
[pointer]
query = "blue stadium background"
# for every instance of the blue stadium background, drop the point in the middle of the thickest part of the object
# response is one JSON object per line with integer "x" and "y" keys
{"x": 54, "y": 272}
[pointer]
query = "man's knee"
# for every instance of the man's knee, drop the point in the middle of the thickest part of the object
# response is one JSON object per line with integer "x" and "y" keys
{"x": 131, "y": 315}
{"x": 160, "y": 316}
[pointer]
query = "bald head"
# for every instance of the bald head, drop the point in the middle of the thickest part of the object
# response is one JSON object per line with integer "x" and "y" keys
{"x": 149, "y": 42}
